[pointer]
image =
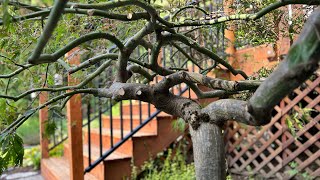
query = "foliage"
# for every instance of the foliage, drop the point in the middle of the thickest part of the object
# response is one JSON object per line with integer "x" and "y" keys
{"x": 32, "y": 157}
{"x": 261, "y": 74}
{"x": 268, "y": 28}
{"x": 8, "y": 113}
{"x": 179, "y": 125}
{"x": 57, "y": 151}
{"x": 174, "y": 167}
{"x": 298, "y": 119}
{"x": 295, "y": 172}
{"x": 11, "y": 152}
{"x": 29, "y": 131}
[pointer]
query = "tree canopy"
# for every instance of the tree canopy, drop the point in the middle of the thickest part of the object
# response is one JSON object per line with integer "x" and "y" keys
{"x": 36, "y": 36}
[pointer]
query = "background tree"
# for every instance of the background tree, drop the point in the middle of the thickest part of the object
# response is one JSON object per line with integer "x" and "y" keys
{"x": 35, "y": 39}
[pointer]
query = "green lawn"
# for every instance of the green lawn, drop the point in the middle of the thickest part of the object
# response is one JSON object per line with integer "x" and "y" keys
{"x": 29, "y": 131}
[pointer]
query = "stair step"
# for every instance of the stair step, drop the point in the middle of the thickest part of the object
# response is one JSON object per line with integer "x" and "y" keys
{"x": 135, "y": 108}
{"x": 125, "y": 148}
{"x": 95, "y": 153}
{"x": 58, "y": 169}
{"x": 117, "y": 132}
{"x": 126, "y": 123}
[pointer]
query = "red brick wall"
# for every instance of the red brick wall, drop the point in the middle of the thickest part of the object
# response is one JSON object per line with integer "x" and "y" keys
{"x": 251, "y": 59}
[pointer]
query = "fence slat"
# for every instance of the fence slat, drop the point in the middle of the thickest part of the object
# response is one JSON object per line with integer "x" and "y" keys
{"x": 268, "y": 152}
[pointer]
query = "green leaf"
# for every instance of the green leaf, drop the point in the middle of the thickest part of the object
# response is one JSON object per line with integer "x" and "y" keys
{"x": 12, "y": 151}
{"x": 5, "y": 16}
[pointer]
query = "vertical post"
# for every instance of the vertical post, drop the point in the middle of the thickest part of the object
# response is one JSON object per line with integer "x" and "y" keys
{"x": 74, "y": 115}
{"x": 43, "y": 118}
{"x": 229, "y": 36}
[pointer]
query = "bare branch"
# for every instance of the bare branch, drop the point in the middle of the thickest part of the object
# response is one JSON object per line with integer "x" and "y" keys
{"x": 203, "y": 50}
{"x": 49, "y": 58}
{"x": 27, "y": 66}
{"x": 48, "y": 29}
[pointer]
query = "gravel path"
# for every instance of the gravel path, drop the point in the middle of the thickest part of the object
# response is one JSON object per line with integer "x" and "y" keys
{"x": 34, "y": 175}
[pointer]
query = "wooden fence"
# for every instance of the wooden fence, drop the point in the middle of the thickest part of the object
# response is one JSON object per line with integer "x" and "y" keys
{"x": 279, "y": 151}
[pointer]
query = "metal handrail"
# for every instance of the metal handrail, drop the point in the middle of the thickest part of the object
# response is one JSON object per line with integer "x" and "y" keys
{"x": 128, "y": 136}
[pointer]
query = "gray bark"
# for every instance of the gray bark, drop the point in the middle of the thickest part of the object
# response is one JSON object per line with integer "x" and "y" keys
{"x": 208, "y": 149}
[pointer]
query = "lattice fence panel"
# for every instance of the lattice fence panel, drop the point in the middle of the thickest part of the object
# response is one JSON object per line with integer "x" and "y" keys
{"x": 274, "y": 151}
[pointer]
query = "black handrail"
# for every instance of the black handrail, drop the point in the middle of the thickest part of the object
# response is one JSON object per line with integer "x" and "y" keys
{"x": 59, "y": 135}
{"x": 128, "y": 136}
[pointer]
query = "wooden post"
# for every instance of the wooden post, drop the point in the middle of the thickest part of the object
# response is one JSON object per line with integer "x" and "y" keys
{"x": 43, "y": 118}
{"x": 230, "y": 37}
{"x": 74, "y": 115}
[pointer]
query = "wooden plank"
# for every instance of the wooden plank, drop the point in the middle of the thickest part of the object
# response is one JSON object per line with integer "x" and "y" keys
{"x": 279, "y": 149}
{"x": 265, "y": 145}
{"x": 43, "y": 119}
{"x": 308, "y": 161}
{"x": 297, "y": 152}
{"x": 308, "y": 152}
{"x": 240, "y": 139}
{"x": 74, "y": 115}
{"x": 287, "y": 140}
{"x": 316, "y": 173}
{"x": 314, "y": 103}
{"x": 258, "y": 136}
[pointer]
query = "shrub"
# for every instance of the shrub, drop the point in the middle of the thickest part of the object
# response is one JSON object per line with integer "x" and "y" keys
{"x": 172, "y": 168}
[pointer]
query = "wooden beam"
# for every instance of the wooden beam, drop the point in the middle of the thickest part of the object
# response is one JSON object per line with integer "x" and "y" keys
{"x": 43, "y": 119}
{"x": 74, "y": 115}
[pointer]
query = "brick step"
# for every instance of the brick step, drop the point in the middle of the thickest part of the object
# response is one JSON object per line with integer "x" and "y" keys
{"x": 58, "y": 169}
{"x": 125, "y": 148}
{"x": 126, "y": 123}
{"x": 121, "y": 160}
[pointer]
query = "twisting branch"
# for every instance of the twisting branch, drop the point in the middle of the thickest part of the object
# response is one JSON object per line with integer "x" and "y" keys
{"x": 189, "y": 7}
{"x": 27, "y": 66}
{"x": 189, "y": 42}
{"x": 48, "y": 29}
{"x": 132, "y": 43}
{"x": 100, "y": 13}
{"x": 78, "y": 86}
{"x": 247, "y": 17}
{"x": 213, "y": 83}
{"x": 49, "y": 58}
{"x": 17, "y": 123}
{"x": 140, "y": 70}
{"x": 94, "y": 60}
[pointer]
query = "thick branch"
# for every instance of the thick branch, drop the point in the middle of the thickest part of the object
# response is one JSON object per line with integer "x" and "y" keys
{"x": 132, "y": 43}
{"x": 213, "y": 83}
{"x": 302, "y": 60}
